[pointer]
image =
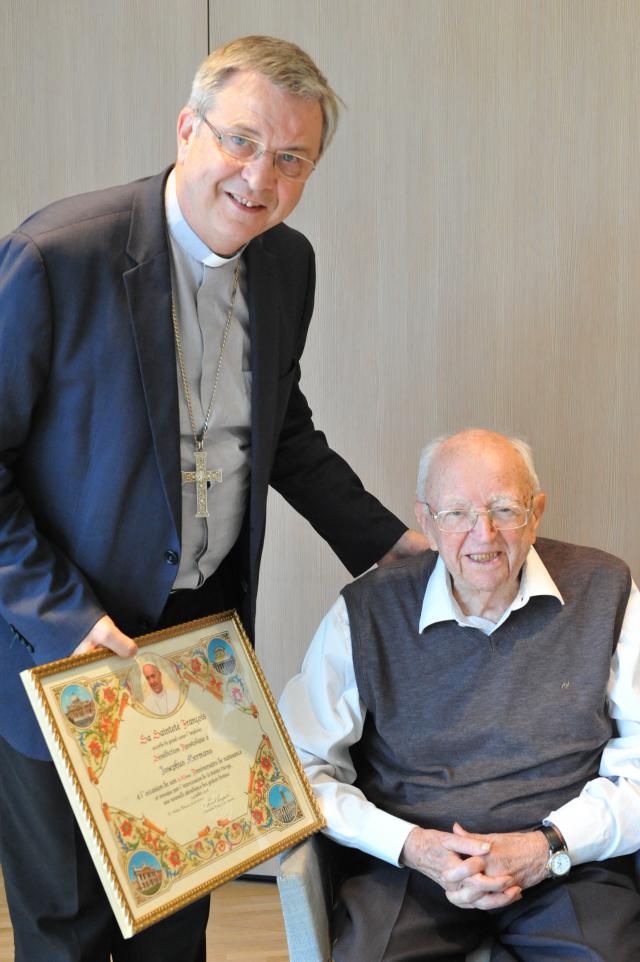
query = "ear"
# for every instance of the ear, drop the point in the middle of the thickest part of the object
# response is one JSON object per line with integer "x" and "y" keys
{"x": 537, "y": 510}
{"x": 185, "y": 131}
{"x": 425, "y": 524}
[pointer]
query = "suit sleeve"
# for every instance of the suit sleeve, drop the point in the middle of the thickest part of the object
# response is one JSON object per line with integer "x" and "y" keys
{"x": 320, "y": 485}
{"x": 43, "y": 597}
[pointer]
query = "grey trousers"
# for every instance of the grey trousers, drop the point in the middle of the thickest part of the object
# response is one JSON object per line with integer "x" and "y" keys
{"x": 387, "y": 914}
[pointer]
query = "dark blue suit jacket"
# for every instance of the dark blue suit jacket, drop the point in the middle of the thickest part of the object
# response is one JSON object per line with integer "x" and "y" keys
{"x": 89, "y": 434}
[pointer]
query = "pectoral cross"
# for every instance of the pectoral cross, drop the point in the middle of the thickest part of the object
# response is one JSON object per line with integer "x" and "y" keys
{"x": 201, "y": 477}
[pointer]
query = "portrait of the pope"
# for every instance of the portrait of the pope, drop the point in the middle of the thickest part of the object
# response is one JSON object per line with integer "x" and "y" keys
{"x": 160, "y": 691}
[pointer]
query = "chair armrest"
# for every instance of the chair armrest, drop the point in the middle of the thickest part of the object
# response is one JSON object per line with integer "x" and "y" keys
{"x": 304, "y": 885}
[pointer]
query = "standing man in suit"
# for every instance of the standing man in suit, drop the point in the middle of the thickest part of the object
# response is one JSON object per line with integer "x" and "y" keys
{"x": 150, "y": 338}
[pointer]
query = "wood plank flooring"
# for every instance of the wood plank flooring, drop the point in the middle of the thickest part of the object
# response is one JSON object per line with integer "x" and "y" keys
{"x": 245, "y": 924}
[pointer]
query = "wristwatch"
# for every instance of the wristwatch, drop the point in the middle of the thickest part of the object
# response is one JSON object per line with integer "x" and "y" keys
{"x": 558, "y": 863}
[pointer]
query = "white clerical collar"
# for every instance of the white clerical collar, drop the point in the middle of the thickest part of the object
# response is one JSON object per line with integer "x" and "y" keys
{"x": 184, "y": 235}
{"x": 439, "y": 603}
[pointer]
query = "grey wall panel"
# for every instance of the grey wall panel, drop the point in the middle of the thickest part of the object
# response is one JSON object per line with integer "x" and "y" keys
{"x": 91, "y": 92}
{"x": 477, "y": 228}
{"x": 476, "y": 223}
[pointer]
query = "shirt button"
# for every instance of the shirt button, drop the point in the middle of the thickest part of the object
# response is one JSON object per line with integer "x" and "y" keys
{"x": 171, "y": 557}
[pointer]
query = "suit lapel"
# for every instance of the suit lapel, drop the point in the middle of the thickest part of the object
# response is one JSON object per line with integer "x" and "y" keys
{"x": 264, "y": 321}
{"x": 148, "y": 288}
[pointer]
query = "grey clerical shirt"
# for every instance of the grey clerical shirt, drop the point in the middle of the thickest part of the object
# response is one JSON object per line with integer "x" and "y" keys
{"x": 202, "y": 283}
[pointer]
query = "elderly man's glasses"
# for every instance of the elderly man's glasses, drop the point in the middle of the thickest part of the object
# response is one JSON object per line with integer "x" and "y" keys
{"x": 245, "y": 150}
{"x": 504, "y": 517}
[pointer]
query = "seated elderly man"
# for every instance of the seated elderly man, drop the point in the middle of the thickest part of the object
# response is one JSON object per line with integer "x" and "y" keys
{"x": 470, "y": 720}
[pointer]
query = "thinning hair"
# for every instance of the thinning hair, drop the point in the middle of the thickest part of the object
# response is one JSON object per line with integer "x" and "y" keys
{"x": 283, "y": 63}
{"x": 431, "y": 449}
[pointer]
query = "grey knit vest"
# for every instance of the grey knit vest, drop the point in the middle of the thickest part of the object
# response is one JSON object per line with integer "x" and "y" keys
{"x": 494, "y": 732}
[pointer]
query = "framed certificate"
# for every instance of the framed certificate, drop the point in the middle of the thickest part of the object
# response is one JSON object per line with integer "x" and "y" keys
{"x": 176, "y": 762}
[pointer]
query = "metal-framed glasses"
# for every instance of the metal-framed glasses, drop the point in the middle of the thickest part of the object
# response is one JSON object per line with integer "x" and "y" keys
{"x": 502, "y": 517}
{"x": 245, "y": 150}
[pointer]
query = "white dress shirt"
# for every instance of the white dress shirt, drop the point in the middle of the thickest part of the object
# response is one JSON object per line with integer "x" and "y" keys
{"x": 324, "y": 715}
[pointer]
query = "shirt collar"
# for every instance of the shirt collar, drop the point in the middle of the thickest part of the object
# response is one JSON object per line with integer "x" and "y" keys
{"x": 439, "y": 603}
{"x": 184, "y": 235}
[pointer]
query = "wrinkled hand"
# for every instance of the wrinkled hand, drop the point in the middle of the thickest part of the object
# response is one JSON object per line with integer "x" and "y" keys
{"x": 521, "y": 855}
{"x": 411, "y": 542}
{"x": 104, "y": 634}
{"x": 457, "y": 862}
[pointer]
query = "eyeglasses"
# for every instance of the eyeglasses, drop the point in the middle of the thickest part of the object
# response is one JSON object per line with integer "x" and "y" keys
{"x": 504, "y": 517}
{"x": 244, "y": 150}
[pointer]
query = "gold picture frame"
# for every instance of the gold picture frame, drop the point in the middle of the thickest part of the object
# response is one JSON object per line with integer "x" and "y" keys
{"x": 176, "y": 763}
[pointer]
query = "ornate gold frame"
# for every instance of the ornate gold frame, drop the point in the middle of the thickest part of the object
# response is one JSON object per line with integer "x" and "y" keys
{"x": 83, "y": 705}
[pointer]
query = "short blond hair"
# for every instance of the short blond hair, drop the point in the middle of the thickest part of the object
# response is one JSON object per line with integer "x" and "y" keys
{"x": 283, "y": 63}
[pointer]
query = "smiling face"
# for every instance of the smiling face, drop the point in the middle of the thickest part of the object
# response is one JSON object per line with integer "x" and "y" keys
{"x": 481, "y": 470}
{"x": 225, "y": 202}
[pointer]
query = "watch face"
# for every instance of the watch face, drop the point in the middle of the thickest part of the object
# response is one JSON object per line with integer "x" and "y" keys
{"x": 559, "y": 863}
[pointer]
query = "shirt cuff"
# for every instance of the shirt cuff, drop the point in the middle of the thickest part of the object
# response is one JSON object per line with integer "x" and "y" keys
{"x": 585, "y": 828}
{"x": 383, "y": 835}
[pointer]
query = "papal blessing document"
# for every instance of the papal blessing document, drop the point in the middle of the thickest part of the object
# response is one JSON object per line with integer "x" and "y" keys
{"x": 176, "y": 763}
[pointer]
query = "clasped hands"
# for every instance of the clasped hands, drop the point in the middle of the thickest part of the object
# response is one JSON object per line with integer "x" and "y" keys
{"x": 478, "y": 871}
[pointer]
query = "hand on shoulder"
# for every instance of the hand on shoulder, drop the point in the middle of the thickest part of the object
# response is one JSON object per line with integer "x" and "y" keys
{"x": 411, "y": 543}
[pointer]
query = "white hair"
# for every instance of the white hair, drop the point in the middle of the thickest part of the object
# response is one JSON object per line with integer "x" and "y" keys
{"x": 432, "y": 448}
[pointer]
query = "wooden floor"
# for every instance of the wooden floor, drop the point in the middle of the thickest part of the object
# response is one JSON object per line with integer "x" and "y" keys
{"x": 245, "y": 925}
